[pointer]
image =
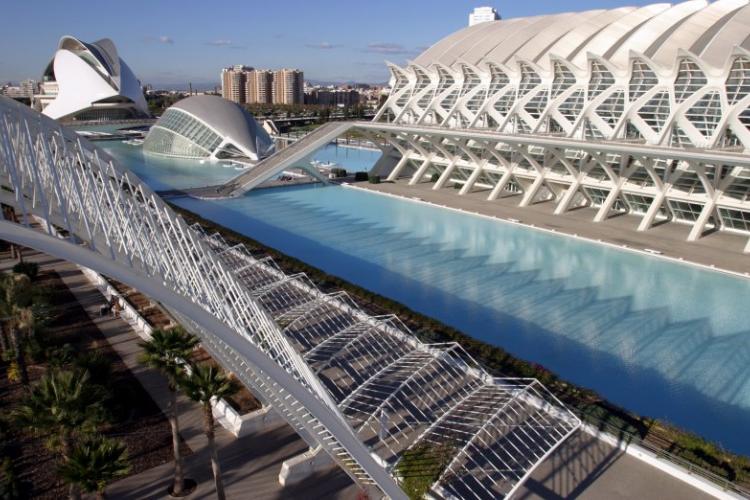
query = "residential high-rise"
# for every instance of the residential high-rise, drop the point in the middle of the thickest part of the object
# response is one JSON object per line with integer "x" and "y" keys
{"x": 243, "y": 84}
{"x": 483, "y": 15}
{"x": 259, "y": 87}
{"x": 234, "y": 82}
{"x": 288, "y": 86}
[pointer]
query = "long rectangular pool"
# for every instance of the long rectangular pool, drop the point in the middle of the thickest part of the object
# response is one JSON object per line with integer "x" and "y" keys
{"x": 666, "y": 340}
{"x": 663, "y": 339}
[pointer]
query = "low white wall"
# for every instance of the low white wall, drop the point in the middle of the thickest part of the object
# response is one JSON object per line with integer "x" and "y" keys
{"x": 249, "y": 423}
{"x": 674, "y": 470}
{"x": 304, "y": 465}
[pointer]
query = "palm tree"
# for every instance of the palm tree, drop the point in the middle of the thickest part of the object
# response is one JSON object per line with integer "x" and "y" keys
{"x": 167, "y": 351}
{"x": 206, "y": 384}
{"x": 17, "y": 316}
{"x": 94, "y": 463}
{"x": 65, "y": 406}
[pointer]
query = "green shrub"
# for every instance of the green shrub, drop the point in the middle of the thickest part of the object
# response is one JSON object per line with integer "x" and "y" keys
{"x": 374, "y": 179}
{"x": 30, "y": 269}
{"x": 10, "y": 486}
{"x": 434, "y": 177}
{"x": 360, "y": 176}
{"x": 419, "y": 468}
{"x": 338, "y": 172}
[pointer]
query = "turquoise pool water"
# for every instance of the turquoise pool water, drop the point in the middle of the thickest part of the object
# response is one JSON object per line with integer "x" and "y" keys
{"x": 665, "y": 340}
{"x": 351, "y": 158}
{"x": 163, "y": 173}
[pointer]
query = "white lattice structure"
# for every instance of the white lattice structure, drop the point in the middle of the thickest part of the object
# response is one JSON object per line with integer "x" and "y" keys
{"x": 674, "y": 77}
{"x": 363, "y": 389}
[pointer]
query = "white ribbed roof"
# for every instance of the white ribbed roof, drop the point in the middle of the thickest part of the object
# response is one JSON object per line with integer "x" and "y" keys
{"x": 659, "y": 31}
{"x": 230, "y": 120}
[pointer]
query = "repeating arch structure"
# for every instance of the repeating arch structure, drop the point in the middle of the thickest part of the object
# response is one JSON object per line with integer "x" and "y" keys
{"x": 361, "y": 388}
{"x": 670, "y": 76}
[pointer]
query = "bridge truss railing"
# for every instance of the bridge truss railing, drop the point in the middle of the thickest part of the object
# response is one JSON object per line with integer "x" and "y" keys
{"x": 49, "y": 171}
{"x": 403, "y": 396}
{"x": 362, "y": 388}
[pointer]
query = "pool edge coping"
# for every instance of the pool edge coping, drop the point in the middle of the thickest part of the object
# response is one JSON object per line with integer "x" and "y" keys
{"x": 623, "y": 248}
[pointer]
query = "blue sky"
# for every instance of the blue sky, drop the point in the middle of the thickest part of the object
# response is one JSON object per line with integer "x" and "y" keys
{"x": 170, "y": 42}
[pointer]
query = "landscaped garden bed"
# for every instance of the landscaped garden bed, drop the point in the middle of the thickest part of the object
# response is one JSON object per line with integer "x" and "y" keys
{"x": 592, "y": 408}
{"x": 132, "y": 416}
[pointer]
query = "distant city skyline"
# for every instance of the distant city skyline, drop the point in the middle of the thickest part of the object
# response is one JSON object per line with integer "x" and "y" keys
{"x": 170, "y": 44}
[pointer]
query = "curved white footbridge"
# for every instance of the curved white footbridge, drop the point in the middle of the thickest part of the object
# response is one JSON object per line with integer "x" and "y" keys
{"x": 362, "y": 389}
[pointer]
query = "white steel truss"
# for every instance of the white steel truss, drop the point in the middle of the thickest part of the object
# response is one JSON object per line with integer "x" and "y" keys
{"x": 670, "y": 77}
{"x": 703, "y": 188}
{"x": 363, "y": 388}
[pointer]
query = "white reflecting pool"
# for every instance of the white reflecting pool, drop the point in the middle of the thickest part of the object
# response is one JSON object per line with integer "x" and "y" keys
{"x": 665, "y": 340}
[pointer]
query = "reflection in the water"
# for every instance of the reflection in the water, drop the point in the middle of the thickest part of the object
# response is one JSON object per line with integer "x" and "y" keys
{"x": 666, "y": 340}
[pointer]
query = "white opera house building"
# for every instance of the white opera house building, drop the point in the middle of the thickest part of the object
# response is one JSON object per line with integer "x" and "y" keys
{"x": 88, "y": 81}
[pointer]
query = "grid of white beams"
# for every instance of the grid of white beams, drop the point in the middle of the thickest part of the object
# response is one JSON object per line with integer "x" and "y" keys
{"x": 400, "y": 394}
{"x": 706, "y": 189}
{"x": 362, "y": 388}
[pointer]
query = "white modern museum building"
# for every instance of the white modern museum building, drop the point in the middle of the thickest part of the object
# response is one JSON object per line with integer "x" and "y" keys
{"x": 89, "y": 81}
{"x": 640, "y": 110}
{"x": 208, "y": 127}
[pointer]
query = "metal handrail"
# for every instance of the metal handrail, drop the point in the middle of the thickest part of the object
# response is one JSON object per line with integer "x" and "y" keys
{"x": 691, "y": 467}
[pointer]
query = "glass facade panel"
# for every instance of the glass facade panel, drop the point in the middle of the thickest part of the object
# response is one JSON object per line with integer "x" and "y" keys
{"x": 685, "y": 211}
{"x": 738, "y": 220}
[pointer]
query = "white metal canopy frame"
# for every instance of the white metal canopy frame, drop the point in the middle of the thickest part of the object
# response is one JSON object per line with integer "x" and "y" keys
{"x": 363, "y": 389}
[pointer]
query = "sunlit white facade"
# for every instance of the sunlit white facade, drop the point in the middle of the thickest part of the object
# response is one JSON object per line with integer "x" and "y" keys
{"x": 665, "y": 77}
{"x": 89, "y": 81}
{"x": 208, "y": 127}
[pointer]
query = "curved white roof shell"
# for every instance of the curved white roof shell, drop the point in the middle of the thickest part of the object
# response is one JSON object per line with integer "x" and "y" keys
{"x": 656, "y": 31}
{"x": 92, "y": 80}
{"x": 670, "y": 75}
{"x": 206, "y": 126}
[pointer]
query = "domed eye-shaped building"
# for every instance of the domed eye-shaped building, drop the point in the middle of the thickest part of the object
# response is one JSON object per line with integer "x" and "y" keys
{"x": 89, "y": 81}
{"x": 208, "y": 127}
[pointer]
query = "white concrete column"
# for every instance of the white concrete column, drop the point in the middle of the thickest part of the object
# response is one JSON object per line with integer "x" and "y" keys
{"x": 700, "y": 223}
{"x": 445, "y": 175}
{"x": 570, "y": 193}
{"x": 652, "y": 212}
{"x": 500, "y": 185}
{"x": 420, "y": 172}
{"x": 472, "y": 179}
{"x": 398, "y": 168}
{"x": 609, "y": 202}
{"x": 530, "y": 193}
{"x": 747, "y": 247}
